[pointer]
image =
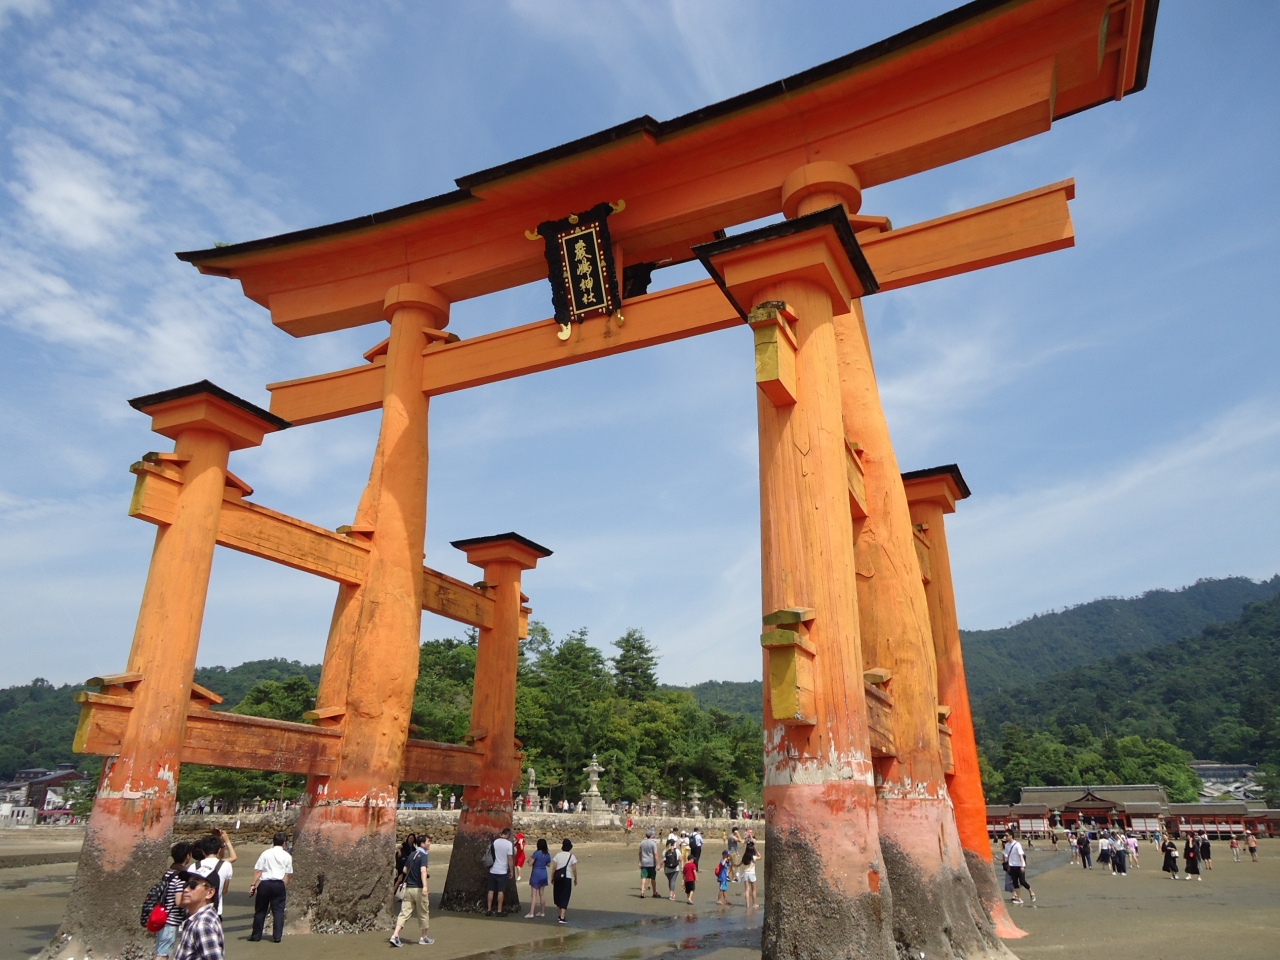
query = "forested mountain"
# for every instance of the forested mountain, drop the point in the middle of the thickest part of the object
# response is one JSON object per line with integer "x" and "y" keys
{"x": 745, "y": 697}
{"x": 1053, "y": 642}
{"x": 1216, "y": 694}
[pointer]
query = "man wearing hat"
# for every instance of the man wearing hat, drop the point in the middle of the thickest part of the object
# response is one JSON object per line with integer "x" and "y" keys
{"x": 201, "y": 934}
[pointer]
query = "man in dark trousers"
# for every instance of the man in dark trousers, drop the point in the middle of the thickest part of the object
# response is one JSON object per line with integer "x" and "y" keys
{"x": 270, "y": 885}
{"x": 695, "y": 845}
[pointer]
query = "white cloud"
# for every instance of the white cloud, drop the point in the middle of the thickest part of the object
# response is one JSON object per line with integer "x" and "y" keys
{"x": 1169, "y": 515}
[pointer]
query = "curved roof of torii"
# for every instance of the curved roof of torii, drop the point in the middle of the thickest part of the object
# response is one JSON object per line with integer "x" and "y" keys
{"x": 1008, "y": 68}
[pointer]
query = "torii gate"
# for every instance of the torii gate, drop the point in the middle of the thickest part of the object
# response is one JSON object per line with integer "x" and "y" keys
{"x": 861, "y": 655}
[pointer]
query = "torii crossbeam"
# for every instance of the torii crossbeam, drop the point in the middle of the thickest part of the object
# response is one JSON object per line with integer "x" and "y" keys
{"x": 866, "y": 717}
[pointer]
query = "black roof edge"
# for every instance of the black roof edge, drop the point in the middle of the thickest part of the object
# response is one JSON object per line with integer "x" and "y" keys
{"x": 835, "y": 217}
{"x": 205, "y": 386}
{"x": 497, "y": 537}
{"x": 664, "y": 128}
{"x": 950, "y": 468}
{"x": 314, "y": 233}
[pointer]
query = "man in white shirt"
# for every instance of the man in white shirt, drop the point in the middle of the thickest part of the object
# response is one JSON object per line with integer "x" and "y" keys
{"x": 503, "y": 854}
{"x": 270, "y": 884}
{"x": 1016, "y": 863}
{"x": 217, "y": 846}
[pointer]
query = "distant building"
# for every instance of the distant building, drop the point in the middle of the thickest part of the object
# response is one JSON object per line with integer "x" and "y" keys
{"x": 34, "y": 788}
{"x": 1237, "y": 780}
{"x": 1138, "y": 808}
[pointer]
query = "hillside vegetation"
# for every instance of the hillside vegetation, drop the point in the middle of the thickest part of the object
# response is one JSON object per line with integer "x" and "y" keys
{"x": 1053, "y": 642}
{"x": 1216, "y": 694}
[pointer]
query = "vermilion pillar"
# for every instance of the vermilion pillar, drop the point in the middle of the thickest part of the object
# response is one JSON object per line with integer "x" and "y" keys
{"x": 931, "y": 494}
{"x": 346, "y": 828}
{"x": 487, "y": 806}
{"x": 936, "y": 909}
{"x": 130, "y": 830}
{"x": 826, "y": 893}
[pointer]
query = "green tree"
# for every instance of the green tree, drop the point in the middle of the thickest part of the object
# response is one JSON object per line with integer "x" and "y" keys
{"x": 635, "y": 668}
{"x": 278, "y": 700}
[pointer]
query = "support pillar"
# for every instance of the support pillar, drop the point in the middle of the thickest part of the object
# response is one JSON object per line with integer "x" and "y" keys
{"x": 487, "y": 807}
{"x": 931, "y": 494}
{"x": 825, "y": 889}
{"x": 937, "y": 911}
{"x": 346, "y": 826}
{"x": 126, "y": 846}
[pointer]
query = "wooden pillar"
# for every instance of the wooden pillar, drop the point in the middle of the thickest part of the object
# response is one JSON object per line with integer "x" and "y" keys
{"x": 130, "y": 830}
{"x": 937, "y": 910}
{"x": 825, "y": 888}
{"x": 346, "y": 828}
{"x": 487, "y": 806}
{"x": 931, "y": 494}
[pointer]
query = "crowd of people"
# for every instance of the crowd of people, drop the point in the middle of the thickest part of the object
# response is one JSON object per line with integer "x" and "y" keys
{"x": 680, "y": 860}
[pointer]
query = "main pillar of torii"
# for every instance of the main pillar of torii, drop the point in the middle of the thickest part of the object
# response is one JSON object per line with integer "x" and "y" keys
{"x": 931, "y": 495}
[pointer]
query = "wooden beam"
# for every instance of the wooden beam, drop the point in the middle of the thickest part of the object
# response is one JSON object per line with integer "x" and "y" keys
{"x": 260, "y": 532}
{"x": 238, "y": 742}
{"x": 1022, "y": 226}
{"x": 1027, "y": 225}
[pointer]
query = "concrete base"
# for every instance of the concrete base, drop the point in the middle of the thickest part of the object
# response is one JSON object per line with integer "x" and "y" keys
{"x": 345, "y": 862}
{"x": 826, "y": 893}
{"x": 104, "y": 906}
{"x": 466, "y": 888}
{"x": 936, "y": 908}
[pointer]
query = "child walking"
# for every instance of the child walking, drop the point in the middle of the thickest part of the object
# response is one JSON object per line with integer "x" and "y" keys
{"x": 724, "y": 871}
{"x": 690, "y": 878}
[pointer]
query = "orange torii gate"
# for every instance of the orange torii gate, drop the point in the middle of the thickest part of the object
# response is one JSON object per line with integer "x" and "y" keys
{"x": 861, "y": 658}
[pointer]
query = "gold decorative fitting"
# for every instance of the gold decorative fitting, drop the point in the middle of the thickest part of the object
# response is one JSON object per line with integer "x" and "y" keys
{"x": 619, "y": 206}
{"x": 573, "y": 218}
{"x": 565, "y": 331}
{"x": 619, "y": 319}
{"x": 531, "y": 235}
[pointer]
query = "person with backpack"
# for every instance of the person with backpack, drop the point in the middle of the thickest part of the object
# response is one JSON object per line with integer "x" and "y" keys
{"x": 200, "y": 937}
{"x": 724, "y": 870}
{"x": 499, "y": 857}
{"x": 161, "y": 914}
{"x": 671, "y": 867}
{"x": 416, "y": 893}
{"x": 270, "y": 887}
{"x": 564, "y": 877}
{"x": 695, "y": 845}
{"x": 217, "y": 854}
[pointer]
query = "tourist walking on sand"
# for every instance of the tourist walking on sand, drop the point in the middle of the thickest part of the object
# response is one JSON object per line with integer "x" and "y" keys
{"x": 174, "y": 881}
{"x": 1170, "y": 865}
{"x": 690, "y": 878}
{"x": 564, "y": 877}
{"x": 538, "y": 880}
{"x": 750, "y": 860}
{"x": 503, "y": 854}
{"x": 1119, "y": 857}
{"x": 1104, "y": 850}
{"x": 270, "y": 888}
{"x": 627, "y": 830}
{"x": 1075, "y": 850}
{"x": 1206, "y": 852}
{"x": 1252, "y": 843}
{"x": 519, "y": 846}
{"x": 671, "y": 867}
{"x": 724, "y": 869}
{"x": 1191, "y": 857}
{"x": 1086, "y": 850}
{"x": 1016, "y": 862}
{"x": 1235, "y": 848}
{"x": 695, "y": 845}
{"x": 648, "y": 855}
{"x": 1131, "y": 847}
{"x": 200, "y": 937}
{"x": 417, "y": 891}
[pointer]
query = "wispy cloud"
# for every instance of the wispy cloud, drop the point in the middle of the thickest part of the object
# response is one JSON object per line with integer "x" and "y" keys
{"x": 1166, "y": 516}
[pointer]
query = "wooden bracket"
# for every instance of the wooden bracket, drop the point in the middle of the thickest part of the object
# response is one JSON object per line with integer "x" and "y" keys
{"x": 877, "y": 675}
{"x": 854, "y": 477}
{"x": 203, "y": 696}
{"x": 326, "y": 716}
{"x": 776, "y": 348}
{"x": 792, "y": 695}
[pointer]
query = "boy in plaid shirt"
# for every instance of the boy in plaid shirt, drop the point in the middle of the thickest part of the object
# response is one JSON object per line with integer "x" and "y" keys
{"x": 201, "y": 934}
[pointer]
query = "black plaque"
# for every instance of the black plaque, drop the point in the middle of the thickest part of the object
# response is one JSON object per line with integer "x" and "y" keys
{"x": 580, "y": 265}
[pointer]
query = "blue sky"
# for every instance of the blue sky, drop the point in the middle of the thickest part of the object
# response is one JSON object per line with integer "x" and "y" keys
{"x": 1115, "y": 407}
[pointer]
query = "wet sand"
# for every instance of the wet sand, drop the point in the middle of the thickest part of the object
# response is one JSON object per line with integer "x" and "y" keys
{"x": 1234, "y": 914}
